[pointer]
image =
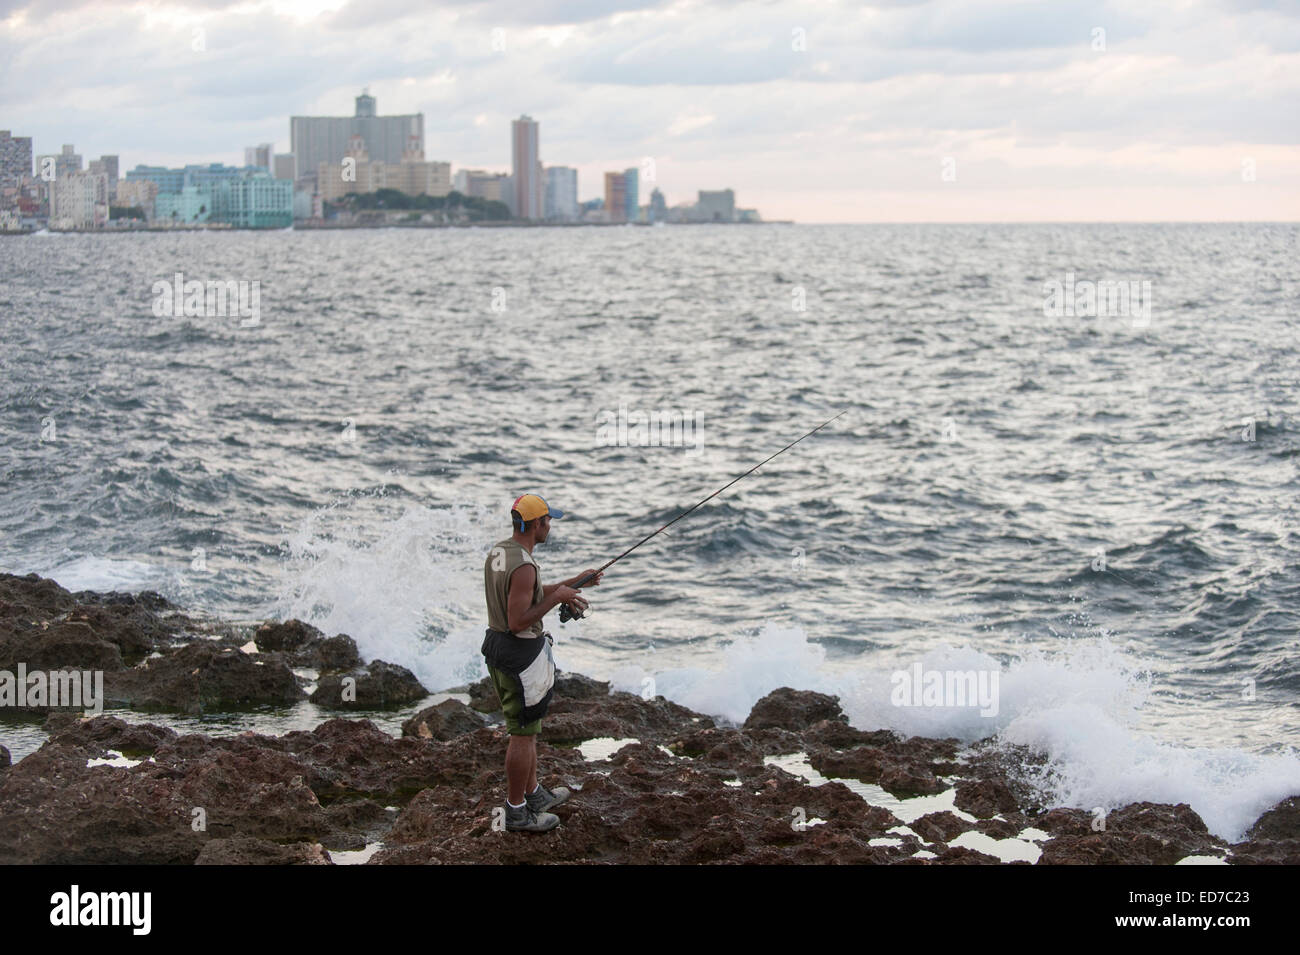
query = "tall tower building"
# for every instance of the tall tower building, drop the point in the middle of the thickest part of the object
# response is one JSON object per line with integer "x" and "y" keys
{"x": 615, "y": 197}
{"x": 15, "y": 158}
{"x": 259, "y": 156}
{"x": 525, "y": 150}
{"x": 325, "y": 139}
{"x": 561, "y": 193}
{"x": 633, "y": 199}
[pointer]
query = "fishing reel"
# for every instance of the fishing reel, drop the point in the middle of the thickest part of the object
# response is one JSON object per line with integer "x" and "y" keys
{"x": 567, "y": 613}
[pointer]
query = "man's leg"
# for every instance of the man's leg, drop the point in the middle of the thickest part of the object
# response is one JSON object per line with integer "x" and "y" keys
{"x": 521, "y": 767}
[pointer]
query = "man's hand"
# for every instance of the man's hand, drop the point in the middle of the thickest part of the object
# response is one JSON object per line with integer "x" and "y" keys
{"x": 593, "y": 573}
{"x": 567, "y": 595}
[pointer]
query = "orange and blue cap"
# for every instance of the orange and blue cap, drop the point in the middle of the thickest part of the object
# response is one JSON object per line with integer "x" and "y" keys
{"x": 531, "y": 506}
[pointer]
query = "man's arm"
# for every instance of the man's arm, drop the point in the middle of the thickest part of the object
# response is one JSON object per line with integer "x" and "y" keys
{"x": 519, "y": 594}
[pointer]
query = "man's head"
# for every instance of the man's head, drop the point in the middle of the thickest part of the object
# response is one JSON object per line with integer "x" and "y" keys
{"x": 530, "y": 515}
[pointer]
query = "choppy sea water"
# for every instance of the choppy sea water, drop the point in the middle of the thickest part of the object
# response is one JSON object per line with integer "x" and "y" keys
{"x": 1103, "y": 509}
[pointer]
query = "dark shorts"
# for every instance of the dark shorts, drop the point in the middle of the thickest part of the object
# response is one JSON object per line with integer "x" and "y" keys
{"x": 512, "y": 703}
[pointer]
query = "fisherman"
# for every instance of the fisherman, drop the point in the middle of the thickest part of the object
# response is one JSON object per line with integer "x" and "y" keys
{"x": 518, "y": 655}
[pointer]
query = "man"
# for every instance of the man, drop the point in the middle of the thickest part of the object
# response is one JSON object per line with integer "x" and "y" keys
{"x": 518, "y": 655}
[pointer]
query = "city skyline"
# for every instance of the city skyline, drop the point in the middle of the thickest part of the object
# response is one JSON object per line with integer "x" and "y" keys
{"x": 933, "y": 111}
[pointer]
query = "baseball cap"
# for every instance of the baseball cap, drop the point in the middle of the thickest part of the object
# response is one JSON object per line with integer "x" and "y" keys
{"x": 530, "y": 506}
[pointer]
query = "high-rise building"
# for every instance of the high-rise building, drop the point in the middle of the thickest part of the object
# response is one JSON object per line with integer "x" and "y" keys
{"x": 138, "y": 192}
{"x": 62, "y": 163}
{"x": 259, "y": 156}
{"x": 633, "y": 197}
{"x": 15, "y": 158}
{"x": 718, "y": 206}
{"x": 108, "y": 166}
{"x": 253, "y": 202}
{"x": 242, "y": 197}
{"x": 285, "y": 166}
{"x": 658, "y": 206}
{"x": 561, "y": 193}
{"x": 325, "y": 139}
{"x": 615, "y": 197}
{"x": 483, "y": 184}
{"x": 79, "y": 200}
{"x": 413, "y": 175}
{"x": 525, "y": 150}
{"x": 189, "y": 205}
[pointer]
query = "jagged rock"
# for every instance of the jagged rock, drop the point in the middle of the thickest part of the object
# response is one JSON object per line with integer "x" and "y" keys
{"x": 1280, "y": 822}
{"x": 48, "y": 628}
{"x": 242, "y": 850}
{"x": 377, "y": 685}
{"x": 482, "y": 696}
{"x": 575, "y": 686}
{"x": 302, "y": 645}
{"x": 984, "y": 798}
{"x": 789, "y": 709}
{"x": 1139, "y": 834}
{"x": 940, "y": 826}
{"x": 202, "y": 676}
{"x": 443, "y": 721}
{"x": 1274, "y": 839}
{"x": 286, "y": 636}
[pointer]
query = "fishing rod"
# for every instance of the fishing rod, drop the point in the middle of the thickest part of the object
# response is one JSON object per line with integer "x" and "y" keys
{"x": 567, "y": 613}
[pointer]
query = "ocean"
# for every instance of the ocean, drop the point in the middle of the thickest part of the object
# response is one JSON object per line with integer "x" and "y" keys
{"x": 1068, "y": 457}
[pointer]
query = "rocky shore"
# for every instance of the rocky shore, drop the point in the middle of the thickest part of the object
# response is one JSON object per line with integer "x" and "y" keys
{"x": 653, "y": 782}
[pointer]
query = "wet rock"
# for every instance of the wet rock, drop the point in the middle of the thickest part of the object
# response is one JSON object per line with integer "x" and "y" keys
{"x": 1008, "y": 828}
{"x": 63, "y": 645}
{"x": 649, "y": 809}
{"x": 5, "y": 760}
{"x": 482, "y": 696}
{"x": 960, "y": 855}
{"x": 795, "y": 710}
{"x": 302, "y": 645}
{"x": 286, "y": 636}
{"x": 839, "y": 735}
{"x": 904, "y": 781}
{"x": 1274, "y": 839}
{"x": 575, "y": 686}
{"x": 984, "y": 798}
{"x": 333, "y": 653}
{"x": 940, "y": 827}
{"x": 443, "y": 721}
{"x": 46, "y": 627}
{"x": 242, "y": 850}
{"x": 898, "y": 775}
{"x": 1065, "y": 822}
{"x": 726, "y": 751}
{"x": 54, "y": 809}
{"x": 1280, "y": 822}
{"x": 103, "y": 733}
{"x": 1139, "y": 834}
{"x": 378, "y": 685}
{"x": 202, "y": 677}
{"x": 617, "y": 715}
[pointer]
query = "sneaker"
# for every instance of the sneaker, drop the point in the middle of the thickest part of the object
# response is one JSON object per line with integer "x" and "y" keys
{"x": 525, "y": 819}
{"x": 545, "y": 798}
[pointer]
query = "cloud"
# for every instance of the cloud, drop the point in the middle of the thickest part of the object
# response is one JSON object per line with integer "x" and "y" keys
{"x": 1018, "y": 92}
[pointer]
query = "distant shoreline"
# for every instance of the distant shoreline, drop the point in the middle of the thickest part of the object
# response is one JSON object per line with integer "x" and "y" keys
{"x": 327, "y": 227}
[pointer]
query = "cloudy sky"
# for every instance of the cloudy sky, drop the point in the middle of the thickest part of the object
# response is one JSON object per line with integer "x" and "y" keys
{"x": 935, "y": 110}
